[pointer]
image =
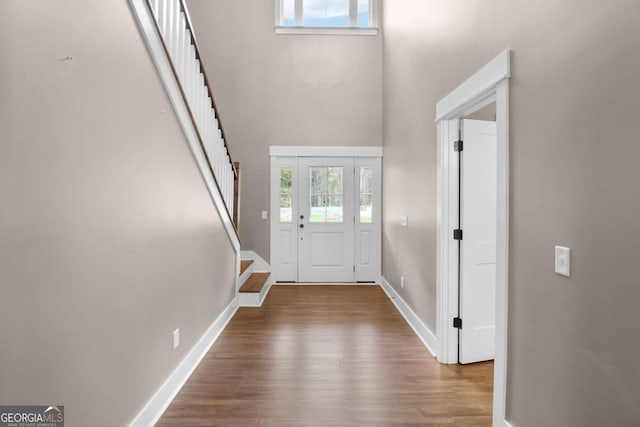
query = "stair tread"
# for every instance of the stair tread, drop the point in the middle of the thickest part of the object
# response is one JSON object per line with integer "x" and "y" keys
{"x": 244, "y": 264}
{"x": 255, "y": 282}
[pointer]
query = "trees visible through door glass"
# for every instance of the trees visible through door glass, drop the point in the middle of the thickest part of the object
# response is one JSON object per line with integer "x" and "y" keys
{"x": 326, "y": 193}
{"x": 286, "y": 214}
{"x": 366, "y": 204}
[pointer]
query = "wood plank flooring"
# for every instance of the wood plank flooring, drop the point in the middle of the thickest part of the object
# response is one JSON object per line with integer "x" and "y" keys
{"x": 328, "y": 356}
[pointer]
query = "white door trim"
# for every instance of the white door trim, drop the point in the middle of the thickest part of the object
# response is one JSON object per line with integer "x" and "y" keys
{"x": 366, "y": 156}
{"x": 471, "y": 91}
{"x": 324, "y": 151}
{"x": 490, "y": 81}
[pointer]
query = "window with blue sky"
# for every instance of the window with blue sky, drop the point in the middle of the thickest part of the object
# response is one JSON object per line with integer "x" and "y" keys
{"x": 325, "y": 13}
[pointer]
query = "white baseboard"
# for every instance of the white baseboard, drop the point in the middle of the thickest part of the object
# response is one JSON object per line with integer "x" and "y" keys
{"x": 156, "y": 406}
{"x": 259, "y": 264}
{"x": 327, "y": 284}
{"x": 506, "y": 423}
{"x": 422, "y": 331}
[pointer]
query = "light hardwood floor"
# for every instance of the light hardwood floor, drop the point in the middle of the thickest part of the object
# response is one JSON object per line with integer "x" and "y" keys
{"x": 328, "y": 356}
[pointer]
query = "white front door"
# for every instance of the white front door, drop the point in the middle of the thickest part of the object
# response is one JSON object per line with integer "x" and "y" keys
{"x": 478, "y": 221}
{"x": 326, "y": 219}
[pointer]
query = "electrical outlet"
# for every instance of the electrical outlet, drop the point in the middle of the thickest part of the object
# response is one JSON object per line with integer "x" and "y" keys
{"x": 404, "y": 220}
{"x": 176, "y": 338}
{"x": 264, "y": 215}
{"x": 402, "y": 282}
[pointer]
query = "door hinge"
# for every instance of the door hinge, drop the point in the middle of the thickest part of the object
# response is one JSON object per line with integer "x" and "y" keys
{"x": 458, "y": 146}
{"x": 354, "y": 268}
{"x": 457, "y": 323}
{"x": 457, "y": 234}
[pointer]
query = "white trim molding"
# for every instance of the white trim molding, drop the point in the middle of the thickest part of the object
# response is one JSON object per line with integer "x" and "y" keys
{"x": 325, "y": 284}
{"x": 483, "y": 81}
{"x": 422, "y": 331}
{"x": 502, "y": 254}
{"x": 506, "y": 423}
{"x": 324, "y": 151}
{"x": 153, "y": 40}
{"x": 490, "y": 83}
{"x": 334, "y": 31}
{"x": 155, "y": 407}
{"x": 285, "y": 235}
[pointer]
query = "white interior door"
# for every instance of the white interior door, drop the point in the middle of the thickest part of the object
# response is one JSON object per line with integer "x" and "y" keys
{"x": 478, "y": 220}
{"x": 326, "y": 219}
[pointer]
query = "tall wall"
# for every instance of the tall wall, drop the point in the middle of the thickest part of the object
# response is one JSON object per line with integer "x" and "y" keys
{"x": 108, "y": 237}
{"x": 575, "y": 120}
{"x": 284, "y": 90}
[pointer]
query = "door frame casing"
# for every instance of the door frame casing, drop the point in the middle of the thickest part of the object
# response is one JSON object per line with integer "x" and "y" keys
{"x": 288, "y": 155}
{"x": 491, "y": 82}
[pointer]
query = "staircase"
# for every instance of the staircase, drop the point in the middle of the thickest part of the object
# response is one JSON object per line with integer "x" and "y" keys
{"x": 254, "y": 280}
{"x": 168, "y": 32}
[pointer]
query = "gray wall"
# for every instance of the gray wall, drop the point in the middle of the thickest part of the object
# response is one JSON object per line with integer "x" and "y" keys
{"x": 575, "y": 120}
{"x": 284, "y": 90}
{"x": 108, "y": 238}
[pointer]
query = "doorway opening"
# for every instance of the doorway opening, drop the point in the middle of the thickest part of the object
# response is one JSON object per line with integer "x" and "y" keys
{"x": 473, "y": 212}
{"x": 326, "y": 214}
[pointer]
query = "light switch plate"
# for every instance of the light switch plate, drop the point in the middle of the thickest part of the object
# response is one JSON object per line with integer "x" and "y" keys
{"x": 264, "y": 214}
{"x": 176, "y": 338}
{"x": 404, "y": 220}
{"x": 563, "y": 261}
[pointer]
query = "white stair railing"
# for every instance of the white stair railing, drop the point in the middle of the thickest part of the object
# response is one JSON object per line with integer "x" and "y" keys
{"x": 174, "y": 26}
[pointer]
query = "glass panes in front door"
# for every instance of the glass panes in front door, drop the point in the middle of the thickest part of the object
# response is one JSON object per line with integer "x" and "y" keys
{"x": 326, "y": 194}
